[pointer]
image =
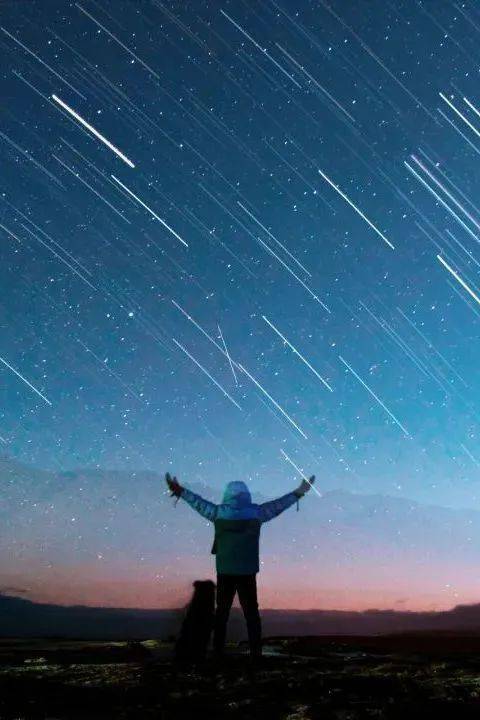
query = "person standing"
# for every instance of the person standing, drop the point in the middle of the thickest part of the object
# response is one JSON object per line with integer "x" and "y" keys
{"x": 237, "y": 523}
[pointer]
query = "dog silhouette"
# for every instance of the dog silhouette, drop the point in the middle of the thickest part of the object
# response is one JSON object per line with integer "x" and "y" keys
{"x": 192, "y": 642}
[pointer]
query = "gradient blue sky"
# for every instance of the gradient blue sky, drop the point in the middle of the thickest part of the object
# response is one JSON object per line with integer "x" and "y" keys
{"x": 212, "y": 119}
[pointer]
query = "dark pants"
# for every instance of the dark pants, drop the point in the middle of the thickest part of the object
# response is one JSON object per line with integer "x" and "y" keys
{"x": 246, "y": 586}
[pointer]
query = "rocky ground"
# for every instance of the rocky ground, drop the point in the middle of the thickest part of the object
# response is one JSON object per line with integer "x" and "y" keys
{"x": 299, "y": 679}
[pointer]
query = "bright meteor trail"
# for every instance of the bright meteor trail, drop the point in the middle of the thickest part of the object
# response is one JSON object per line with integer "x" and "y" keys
{"x": 458, "y": 278}
{"x": 95, "y": 132}
{"x": 460, "y": 115}
{"x": 25, "y": 381}
{"x": 357, "y": 210}
{"x": 154, "y": 214}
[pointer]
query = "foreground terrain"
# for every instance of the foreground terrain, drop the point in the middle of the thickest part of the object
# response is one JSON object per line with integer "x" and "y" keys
{"x": 343, "y": 678}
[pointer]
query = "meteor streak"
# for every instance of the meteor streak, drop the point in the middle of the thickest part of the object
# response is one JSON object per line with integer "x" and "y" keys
{"x": 273, "y": 238}
{"x": 429, "y": 343}
{"x": 31, "y": 159}
{"x": 467, "y": 252}
{"x": 272, "y": 252}
{"x": 450, "y": 122}
{"x": 297, "y": 353}
{"x": 199, "y": 327}
{"x": 357, "y": 210}
{"x": 375, "y": 396}
{"x": 114, "y": 37}
{"x": 472, "y": 458}
{"x": 16, "y": 40}
{"x": 112, "y": 372}
{"x": 446, "y": 191}
{"x": 461, "y": 115}
{"x": 292, "y": 422}
{"x": 302, "y": 474}
{"x": 263, "y": 50}
{"x": 440, "y": 200}
{"x": 207, "y": 373}
{"x": 95, "y": 132}
{"x": 84, "y": 182}
{"x": 25, "y": 381}
{"x": 471, "y": 106}
{"x": 59, "y": 257}
{"x": 149, "y": 210}
{"x": 12, "y": 234}
{"x": 267, "y": 248}
{"x": 315, "y": 82}
{"x": 227, "y": 354}
{"x": 458, "y": 278}
{"x": 239, "y": 367}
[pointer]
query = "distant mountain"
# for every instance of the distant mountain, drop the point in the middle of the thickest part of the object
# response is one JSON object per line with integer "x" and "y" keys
{"x": 117, "y": 539}
{"x": 23, "y": 618}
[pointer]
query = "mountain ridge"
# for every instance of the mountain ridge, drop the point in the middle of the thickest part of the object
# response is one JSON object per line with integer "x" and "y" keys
{"x": 89, "y": 472}
{"x": 111, "y": 538}
{"x": 20, "y": 617}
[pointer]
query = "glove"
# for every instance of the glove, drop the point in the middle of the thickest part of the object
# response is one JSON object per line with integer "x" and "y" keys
{"x": 173, "y": 485}
{"x": 305, "y": 486}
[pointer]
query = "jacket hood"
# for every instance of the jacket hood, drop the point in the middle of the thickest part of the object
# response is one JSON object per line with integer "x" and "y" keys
{"x": 237, "y": 493}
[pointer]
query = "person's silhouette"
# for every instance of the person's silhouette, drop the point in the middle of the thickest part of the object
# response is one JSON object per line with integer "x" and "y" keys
{"x": 237, "y": 524}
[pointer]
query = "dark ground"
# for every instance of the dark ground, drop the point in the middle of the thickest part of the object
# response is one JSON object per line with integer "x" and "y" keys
{"x": 343, "y": 678}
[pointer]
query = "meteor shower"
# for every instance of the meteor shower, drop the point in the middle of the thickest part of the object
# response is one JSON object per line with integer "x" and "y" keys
{"x": 240, "y": 323}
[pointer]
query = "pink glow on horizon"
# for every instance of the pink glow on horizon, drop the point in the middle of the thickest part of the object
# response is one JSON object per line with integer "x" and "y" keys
{"x": 109, "y": 587}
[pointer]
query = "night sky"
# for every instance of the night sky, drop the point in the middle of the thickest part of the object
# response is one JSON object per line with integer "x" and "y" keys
{"x": 239, "y": 237}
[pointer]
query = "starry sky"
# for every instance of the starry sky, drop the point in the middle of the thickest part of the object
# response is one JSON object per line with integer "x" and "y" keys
{"x": 239, "y": 240}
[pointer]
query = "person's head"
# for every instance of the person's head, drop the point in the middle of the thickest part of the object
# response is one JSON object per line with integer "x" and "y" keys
{"x": 236, "y": 493}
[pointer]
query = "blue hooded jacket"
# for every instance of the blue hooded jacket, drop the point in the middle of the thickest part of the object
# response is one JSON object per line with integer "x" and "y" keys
{"x": 237, "y": 524}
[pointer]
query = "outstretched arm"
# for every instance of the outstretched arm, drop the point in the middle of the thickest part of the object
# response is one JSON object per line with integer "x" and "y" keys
{"x": 207, "y": 509}
{"x": 271, "y": 509}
